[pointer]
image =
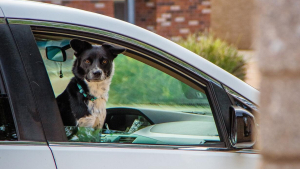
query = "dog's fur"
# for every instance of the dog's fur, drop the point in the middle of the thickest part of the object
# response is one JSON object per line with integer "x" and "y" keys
{"x": 93, "y": 70}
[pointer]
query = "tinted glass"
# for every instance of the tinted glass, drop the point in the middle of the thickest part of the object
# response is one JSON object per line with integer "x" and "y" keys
{"x": 7, "y": 126}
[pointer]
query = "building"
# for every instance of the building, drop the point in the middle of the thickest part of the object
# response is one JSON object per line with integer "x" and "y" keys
{"x": 169, "y": 18}
{"x": 230, "y": 20}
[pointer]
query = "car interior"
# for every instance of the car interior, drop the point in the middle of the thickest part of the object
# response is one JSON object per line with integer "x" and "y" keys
{"x": 163, "y": 110}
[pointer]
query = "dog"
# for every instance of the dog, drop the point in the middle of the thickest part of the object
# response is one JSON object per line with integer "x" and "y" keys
{"x": 83, "y": 102}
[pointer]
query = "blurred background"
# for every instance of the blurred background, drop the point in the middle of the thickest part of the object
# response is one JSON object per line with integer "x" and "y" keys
{"x": 220, "y": 31}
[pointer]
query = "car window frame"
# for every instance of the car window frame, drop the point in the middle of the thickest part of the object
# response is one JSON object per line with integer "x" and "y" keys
{"x": 43, "y": 109}
{"x": 141, "y": 58}
{"x": 155, "y": 59}
{"x": 15, "y": 82}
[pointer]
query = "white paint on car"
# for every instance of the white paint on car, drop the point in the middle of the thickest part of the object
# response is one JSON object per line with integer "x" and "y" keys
{"x": 26, "y": 156}
{"x": 112, "y": 158}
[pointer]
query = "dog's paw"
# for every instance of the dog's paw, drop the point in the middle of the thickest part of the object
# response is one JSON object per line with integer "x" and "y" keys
{"x": 90, "y": 121}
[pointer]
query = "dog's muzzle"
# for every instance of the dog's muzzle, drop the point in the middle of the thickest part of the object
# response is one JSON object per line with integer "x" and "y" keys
{"x": 95, "y": 74}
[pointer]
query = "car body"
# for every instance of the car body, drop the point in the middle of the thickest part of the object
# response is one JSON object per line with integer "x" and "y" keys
{"x": 172, "y": 136}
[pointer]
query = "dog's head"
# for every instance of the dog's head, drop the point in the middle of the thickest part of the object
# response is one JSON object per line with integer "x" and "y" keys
{"x": 94, "y": 63}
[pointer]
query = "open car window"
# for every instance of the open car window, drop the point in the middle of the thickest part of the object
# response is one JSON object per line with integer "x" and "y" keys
{"x": 145, "y": 105}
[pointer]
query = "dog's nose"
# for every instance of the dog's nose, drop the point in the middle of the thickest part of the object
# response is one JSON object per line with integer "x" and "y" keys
{"x": 97, "y": 73}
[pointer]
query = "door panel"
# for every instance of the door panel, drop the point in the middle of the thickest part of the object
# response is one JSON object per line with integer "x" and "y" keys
{"x": 26, "y": 156}
{"x": 112, "y": 158}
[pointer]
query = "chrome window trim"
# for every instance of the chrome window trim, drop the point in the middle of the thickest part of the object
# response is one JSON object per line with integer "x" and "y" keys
{"x": 142, "y": 146}
{"x": 118, "y": 37}
{"x": 240, "y": 98}
{"x": 22, "y": 143}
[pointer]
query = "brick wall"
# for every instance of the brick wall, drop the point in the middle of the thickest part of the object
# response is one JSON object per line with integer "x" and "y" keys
{"x": 231, "y": 21}
{"x": 105, "y": 7}
{"x": 173, "y": 18}
{"x": 178, "y": 18}
{"x": 169, "y": 18}
{"x": 145, "y": 14}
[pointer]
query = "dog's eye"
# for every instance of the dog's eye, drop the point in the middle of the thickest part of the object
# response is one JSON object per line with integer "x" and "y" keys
{"x": 104, "y": 62}
{"x": 87, "y": 62}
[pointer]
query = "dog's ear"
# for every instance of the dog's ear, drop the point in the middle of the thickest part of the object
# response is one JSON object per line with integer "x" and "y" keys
{"x": 79, "y": 46}
{"x": 114, "y": 50}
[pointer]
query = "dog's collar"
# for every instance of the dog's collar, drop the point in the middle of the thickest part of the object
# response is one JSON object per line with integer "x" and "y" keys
{"x": 88, "y": 96}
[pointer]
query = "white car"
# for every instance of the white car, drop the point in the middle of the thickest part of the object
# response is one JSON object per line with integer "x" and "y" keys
{"x": 167, "y": 107}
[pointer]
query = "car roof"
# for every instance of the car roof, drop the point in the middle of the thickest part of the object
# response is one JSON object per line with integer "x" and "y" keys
{"x": 49, "y": 12}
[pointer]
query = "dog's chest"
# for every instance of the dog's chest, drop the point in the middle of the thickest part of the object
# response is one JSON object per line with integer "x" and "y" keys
{"x": 97, "y": 108}
{"x": 99, "y": 89}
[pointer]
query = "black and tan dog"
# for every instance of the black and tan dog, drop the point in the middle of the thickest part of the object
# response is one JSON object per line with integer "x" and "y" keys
{"x": 83, "y": 103}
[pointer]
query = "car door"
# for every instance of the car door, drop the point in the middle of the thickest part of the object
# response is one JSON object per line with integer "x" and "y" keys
{"x": 155, "y": 145}
{"x": 22, "y": 140}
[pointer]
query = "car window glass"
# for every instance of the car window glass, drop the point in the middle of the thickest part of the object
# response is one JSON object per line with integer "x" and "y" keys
{"x": 7, "y": 126}
{"x": 145, "y": 105}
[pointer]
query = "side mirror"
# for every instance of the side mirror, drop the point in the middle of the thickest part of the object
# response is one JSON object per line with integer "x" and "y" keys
{"x": 56, "y": 54}
{"x": 243, "y": 128}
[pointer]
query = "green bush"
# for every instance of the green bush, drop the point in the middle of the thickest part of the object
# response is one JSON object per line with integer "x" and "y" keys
{"x": 218, "y": 52}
